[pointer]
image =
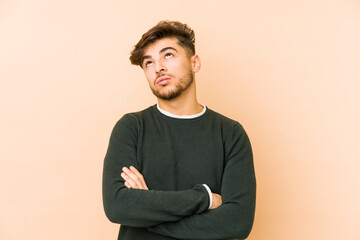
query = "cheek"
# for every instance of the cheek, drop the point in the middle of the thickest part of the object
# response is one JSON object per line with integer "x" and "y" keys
{"x": 186, "y": 67}
{"x": 150, "y": 76}
{"x": 176, "y": 66}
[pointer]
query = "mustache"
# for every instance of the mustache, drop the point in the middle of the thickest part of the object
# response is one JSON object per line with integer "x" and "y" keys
{"x": 161, "y": 75}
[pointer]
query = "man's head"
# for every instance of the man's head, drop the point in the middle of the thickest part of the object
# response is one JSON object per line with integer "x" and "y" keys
{"x": 166, "y": 53}
{"x": 164, "y": 29}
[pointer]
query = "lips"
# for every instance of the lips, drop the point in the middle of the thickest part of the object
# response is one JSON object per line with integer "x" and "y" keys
{"x": 163, "y": 80}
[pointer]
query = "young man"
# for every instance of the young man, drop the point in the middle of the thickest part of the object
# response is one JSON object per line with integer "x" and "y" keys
{"x": 177, "y": 170}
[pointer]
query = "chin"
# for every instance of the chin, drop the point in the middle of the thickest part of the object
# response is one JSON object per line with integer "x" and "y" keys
{"x": 169, "y": 95}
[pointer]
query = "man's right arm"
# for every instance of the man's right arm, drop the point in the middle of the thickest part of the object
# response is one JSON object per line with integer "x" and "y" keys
{"x": 137, "y": 207}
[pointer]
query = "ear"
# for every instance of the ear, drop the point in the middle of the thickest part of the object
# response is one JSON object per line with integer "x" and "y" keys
{"x": 195, "y": 63}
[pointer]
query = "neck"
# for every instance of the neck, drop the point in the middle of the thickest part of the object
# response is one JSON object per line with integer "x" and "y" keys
{"x": 185, "y": 104}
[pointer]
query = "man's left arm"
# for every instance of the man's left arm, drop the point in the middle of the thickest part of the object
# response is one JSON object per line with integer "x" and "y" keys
{"x": 234, "y": 218}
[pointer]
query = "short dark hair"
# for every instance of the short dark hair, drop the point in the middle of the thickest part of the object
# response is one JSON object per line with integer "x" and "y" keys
{"x": 180, "y": 31}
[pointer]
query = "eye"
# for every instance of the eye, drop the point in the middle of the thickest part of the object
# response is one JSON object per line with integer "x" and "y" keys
{"x": 148, "y": 63}
{"x": 168, "y": 55}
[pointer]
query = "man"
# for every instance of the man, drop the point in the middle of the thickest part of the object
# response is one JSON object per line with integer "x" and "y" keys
{"x": 177, "y": 170}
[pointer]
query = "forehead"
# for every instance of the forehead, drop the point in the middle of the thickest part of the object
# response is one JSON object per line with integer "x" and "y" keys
{"x": 155, "y": 47}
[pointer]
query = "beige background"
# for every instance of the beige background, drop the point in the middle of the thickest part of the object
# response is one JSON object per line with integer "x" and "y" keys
{"x": 287, "y": 70}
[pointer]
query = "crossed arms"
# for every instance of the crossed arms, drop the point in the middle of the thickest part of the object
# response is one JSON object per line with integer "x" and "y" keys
{"x": 135, "y": 180}
{"x": 180, "y": 214}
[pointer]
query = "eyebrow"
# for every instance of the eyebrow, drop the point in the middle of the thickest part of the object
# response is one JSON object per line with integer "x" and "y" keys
{"x": 161, "y": 51}
{"x": 167, "y": 48}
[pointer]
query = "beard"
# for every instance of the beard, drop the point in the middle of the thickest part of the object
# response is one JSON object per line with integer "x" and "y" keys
{"x": 183, "y": 84}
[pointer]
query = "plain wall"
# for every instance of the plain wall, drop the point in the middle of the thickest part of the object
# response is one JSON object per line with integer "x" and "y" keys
{"x": 287, "y": 70}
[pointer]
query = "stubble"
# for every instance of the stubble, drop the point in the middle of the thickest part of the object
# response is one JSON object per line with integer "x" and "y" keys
{"x": 183, "y": 84}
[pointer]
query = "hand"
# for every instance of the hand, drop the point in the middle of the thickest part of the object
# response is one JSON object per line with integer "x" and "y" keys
{"x": 133, "y": 179}
{"x": 217, "y": 201}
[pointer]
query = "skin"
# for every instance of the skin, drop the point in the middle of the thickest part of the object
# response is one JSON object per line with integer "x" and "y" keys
{"x": 170, "y": 73}
{"x": 174, "y": 63}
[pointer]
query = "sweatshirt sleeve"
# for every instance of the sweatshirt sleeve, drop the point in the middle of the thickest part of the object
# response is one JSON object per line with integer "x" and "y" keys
{"x": 234, "y": 218}
{"x": 137, "y": 207}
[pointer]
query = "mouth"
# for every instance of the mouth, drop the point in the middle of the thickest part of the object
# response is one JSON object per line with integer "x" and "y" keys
{"x": 163, "y": 80}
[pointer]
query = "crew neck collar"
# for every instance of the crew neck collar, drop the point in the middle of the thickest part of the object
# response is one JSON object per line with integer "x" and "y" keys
{"x": 182, "y": 116}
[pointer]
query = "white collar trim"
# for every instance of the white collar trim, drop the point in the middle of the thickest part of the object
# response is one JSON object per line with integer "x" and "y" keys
{"x": 182, "y": 116}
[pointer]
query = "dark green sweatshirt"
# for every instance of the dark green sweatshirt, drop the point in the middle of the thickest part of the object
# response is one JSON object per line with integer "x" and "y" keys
{"x": 176, "y": 157}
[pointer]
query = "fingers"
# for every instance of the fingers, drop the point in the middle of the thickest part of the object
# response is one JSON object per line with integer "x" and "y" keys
{"x": 139, "y": 176}
{"x": 217, "y": 201}
{"x": 133, "y": 178}
{"x": 129, "y": 183}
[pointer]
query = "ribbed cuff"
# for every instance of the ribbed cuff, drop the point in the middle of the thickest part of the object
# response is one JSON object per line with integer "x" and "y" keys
{"x": 210, "y": 194}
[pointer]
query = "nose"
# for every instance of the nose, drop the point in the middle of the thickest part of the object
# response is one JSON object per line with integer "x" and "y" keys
{"x": 160, "y": 67}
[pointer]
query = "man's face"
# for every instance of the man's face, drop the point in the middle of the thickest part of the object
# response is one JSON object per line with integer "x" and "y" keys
{"x": 167, "y": 68}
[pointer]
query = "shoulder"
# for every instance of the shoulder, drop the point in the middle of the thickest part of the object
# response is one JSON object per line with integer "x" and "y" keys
{"x": 133, "y": 120}
{"x": 235, "y": 138}
{"x": 134, "y": 117}
{"x": 225, "y": 121}
{"x": 230, "y": 129}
